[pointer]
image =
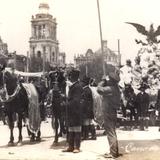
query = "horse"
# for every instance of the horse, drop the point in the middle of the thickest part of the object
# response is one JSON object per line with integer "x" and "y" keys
{"x": 15, "y": 99}
{"x": 58, "y": 98}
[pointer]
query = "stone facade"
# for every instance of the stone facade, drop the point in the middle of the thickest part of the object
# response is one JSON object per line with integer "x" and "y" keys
{"x": 83, "y": 59}
{"x": 43, "y": 41}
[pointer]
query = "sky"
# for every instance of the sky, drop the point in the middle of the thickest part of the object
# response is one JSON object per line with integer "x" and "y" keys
{"x": 78, "y": 28}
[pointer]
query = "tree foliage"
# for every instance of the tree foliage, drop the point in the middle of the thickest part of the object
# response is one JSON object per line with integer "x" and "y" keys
{"x": 95, "y": 68}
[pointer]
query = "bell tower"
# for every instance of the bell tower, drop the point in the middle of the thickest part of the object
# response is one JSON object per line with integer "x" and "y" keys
{"x": 44, "y": 46}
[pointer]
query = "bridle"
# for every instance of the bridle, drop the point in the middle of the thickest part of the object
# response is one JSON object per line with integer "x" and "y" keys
{"x": 3, "y": 90}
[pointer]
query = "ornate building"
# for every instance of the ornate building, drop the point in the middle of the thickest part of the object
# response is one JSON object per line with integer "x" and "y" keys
{"x": 83, "y": 59}
{"x": 43, "y": 41}
{"x": 110, "y": 57}
{"x": 17, "y": 61}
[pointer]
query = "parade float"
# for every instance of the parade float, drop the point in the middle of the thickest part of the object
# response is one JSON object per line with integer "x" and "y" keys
{"x": 147, "y": 62}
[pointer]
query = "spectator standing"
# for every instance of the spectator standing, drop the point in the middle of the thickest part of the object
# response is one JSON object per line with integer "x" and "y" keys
{"x": 87, "y": 110}
{"x": 74, "y": 116}
{"x": 142, "y": 102}
{"x": 110, "y": 92}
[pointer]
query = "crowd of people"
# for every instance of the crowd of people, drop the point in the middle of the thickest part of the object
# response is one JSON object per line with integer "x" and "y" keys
{"x": 59, "y": 89}
{"x": 78, "y": 104}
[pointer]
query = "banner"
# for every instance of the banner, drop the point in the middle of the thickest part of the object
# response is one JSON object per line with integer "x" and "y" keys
{"x": 25, "y": 74}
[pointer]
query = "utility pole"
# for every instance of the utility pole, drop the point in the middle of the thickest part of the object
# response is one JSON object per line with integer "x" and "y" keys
{"x": 27, "y": 65}
{"x": 15, "y": 59}
{"x": 119, "y": 53}
{"x": 101, "y": 39}
{"x": 86, "y": 65}
{"x": 44, "y": 59}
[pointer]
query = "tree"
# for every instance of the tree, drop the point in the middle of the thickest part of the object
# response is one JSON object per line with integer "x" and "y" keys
{"x": 95, "y": 68}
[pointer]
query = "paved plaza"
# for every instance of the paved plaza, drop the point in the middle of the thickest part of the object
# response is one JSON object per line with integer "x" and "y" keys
{"x": 139, "y": 145}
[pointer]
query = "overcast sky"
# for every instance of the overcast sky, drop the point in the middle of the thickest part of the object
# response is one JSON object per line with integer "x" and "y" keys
{"x": 78, "y": 27}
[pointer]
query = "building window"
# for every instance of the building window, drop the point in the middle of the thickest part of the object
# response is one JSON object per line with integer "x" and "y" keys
{"x": 39, "y": 54}
{"x": 44, "y": 31}
{"x": 34, "y": 31}
{"x": 39, "y": 32}
{"x": 44, "y": 49}
{"x": 33, "y": 50}
{"x": 50, "y": 50}
{"x": 53, "y": 56}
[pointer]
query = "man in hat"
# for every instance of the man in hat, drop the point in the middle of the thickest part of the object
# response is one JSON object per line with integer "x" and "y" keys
{"x": 126, "y": 73}
{"x": 87, "y": 110}
{"x": 142, "y": 103}
{"x": 110, "y": 92}
{"x": 74, "y": 116}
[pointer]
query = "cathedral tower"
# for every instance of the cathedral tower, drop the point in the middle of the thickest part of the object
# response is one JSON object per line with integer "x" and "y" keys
{"x": 43, "y": 41}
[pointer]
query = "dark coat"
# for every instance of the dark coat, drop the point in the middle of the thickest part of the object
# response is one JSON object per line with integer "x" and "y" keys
{"x": 74, "y": 107}
{"x": 110, "y": 97}
{"x": 142, "y": 102}
{"x": 87, "y": 103}
{"x": 158, "y": 101}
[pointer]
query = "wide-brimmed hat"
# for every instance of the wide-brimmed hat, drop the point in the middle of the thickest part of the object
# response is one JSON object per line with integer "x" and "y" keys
{"x": 2, "y": 64}
{"x": 74, "y": 73}
{"x": 143, "y": 86}
{"x": 128, "y": 61}
{"x": 114, "y": 75}
{"x": 86, "y": 79}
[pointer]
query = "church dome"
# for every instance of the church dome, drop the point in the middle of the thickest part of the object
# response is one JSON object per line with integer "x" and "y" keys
{"x": 44, "y": 8}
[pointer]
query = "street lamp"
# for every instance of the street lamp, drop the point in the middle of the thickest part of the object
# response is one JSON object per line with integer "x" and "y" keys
{"x": 100, "y": 29}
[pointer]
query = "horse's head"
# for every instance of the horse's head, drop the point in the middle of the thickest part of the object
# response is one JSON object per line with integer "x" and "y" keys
{"x": 57, "y": 79}
{"x": 2, "y": 67}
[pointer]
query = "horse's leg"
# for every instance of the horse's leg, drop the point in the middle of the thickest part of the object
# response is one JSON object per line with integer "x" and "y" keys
{"x": 62, "y": 128}
{"x": 32, "y": 139}
{"x": 3, "y": 118}
{"x": 20, "y": 117}
{"x": 11, "y": 127}
{"x": 38, "y": 138}
{"x": 56, "y": 130}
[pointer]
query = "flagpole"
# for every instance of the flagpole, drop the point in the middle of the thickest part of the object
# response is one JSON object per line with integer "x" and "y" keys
{"x": 27, "y": 67}
{"x": 101, "y": 39}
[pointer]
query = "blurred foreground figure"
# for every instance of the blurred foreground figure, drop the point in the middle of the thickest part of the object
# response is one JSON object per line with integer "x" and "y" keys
{"x": 110, "y": 92}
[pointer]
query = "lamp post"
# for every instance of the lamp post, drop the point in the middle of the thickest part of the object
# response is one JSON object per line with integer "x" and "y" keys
{"x": 44, "y": 61}
{"x": 101, "y": 39}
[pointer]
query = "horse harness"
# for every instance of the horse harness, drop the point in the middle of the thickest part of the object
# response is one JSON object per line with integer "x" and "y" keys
{"x": 4, "y": 92}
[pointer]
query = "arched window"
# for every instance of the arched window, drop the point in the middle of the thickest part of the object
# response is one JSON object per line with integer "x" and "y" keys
{"x": 39, "y": 54}
{"x": 39, "y": 32}
{"x": 53, "y": 56}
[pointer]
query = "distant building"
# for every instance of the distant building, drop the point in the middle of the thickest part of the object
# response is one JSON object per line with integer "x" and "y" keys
{"x": 19, "y": 62}
{"x": 43, "y": 41}
{"x": 83, "y": 59}
{"x": 62, "y": 59}
{"x": 110, "y": 57}
{"x": 3, "y": 49}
